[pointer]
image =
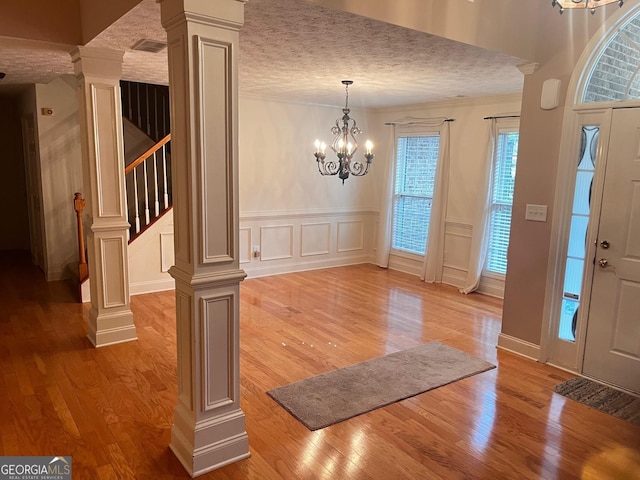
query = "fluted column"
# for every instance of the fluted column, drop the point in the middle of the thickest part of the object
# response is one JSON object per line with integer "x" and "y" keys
{"x": 98, "y": 72}
{"x": 209, "y": 426}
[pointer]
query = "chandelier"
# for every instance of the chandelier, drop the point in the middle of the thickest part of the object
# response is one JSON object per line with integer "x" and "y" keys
{"x": 591, "y": 4}
{"x": 344, "y": 146}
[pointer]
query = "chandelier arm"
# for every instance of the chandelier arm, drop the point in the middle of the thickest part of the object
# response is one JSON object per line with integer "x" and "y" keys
{"x": 359, "y": 169}
{"x": 327, "y": 168}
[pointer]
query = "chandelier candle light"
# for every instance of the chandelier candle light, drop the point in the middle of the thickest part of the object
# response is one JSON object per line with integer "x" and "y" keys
{"x": 591, "y": 4}
{"x": 344, "y": 146}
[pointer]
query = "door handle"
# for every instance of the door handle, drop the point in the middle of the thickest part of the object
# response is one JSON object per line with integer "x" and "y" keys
{"x": 603, "y": 262}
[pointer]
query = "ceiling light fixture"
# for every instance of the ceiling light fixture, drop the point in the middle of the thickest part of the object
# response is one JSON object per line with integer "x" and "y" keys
{"x": 590, "y": 4}
{"x": 344, "y": 146}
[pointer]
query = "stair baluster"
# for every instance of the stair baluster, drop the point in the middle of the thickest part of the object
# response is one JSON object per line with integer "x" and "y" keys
{"x": 146, "y": 194}
{"x": 155, "y": 184}
{"x": 164, "y": 174}
{"x": 136, "y": 200}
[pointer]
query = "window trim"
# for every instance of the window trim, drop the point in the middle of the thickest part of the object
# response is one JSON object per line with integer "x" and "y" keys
{"x": 503, "y": 125}
{"x": 411, "y": 131}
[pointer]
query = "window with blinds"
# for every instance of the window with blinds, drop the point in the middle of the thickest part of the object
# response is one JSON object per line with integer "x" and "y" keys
{"x": 503, "y": 181}
{"x": 416, "y": 163}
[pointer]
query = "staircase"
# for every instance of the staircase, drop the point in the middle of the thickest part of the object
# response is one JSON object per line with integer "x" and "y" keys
{"x": 148, "y": 175}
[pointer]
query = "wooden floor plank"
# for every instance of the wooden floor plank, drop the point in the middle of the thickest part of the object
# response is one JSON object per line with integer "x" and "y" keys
{"x": 112, "y": 408}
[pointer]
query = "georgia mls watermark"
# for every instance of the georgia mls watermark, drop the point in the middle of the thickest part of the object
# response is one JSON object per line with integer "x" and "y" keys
{"x": 35, "y": 468}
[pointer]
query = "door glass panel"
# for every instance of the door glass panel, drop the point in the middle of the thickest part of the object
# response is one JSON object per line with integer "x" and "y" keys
{"x": 574, "y": 265}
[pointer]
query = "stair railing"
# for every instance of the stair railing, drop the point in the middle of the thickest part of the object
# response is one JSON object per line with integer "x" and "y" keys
{"x": 154, "y": 159}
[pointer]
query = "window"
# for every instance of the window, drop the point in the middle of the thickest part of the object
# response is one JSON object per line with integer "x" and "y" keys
{"x": 416, "y": 163}
{"x": 504, "y": 175}
{"x": 580, "y": 211}
{"x": 614, "y": 76}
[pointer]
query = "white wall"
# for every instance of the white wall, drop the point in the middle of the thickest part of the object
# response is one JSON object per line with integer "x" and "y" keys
{"x": 298, "y": 219}
{"x": 61, "y": 173}
{"x": 469, "y": 137}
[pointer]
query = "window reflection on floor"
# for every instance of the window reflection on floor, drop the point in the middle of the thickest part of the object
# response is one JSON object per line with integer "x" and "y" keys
{"x": 404, "y": 316}
{"x": 483, "y": 424}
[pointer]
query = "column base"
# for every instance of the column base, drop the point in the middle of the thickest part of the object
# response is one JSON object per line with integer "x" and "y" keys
{"x": 208, "y": 444}
{"x": 111, "y": 328}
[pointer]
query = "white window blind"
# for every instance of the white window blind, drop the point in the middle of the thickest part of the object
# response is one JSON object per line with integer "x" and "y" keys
{"x": 503, "y": 181}
{"x": 416, "y": 163}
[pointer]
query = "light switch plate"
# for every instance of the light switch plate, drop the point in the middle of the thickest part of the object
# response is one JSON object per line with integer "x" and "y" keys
{"x": 536, "y": 213}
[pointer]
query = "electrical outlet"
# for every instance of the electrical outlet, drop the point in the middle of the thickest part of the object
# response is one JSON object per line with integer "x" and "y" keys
{"x": 256, "y": 251}
{"x": 536, "y": 213}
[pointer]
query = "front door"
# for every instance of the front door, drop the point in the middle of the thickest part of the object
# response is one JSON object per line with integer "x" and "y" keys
{"x": 612, "y": 350}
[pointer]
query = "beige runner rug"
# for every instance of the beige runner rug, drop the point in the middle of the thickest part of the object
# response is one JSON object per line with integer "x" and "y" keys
{"x": 335, "y": 396}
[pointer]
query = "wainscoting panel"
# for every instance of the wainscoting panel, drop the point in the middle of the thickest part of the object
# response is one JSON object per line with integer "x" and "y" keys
{"x": 276, "y": 242}
{"x": 245, "y": 245}
{"x": 167, "y": 257}
{"x": 457, "y": 245}
{"x": 306, "y": 240}
{"x": 350, "y": 236}
{"x": 315, "y": 239}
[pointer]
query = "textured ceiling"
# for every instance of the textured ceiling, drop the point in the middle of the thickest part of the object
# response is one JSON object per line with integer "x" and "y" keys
{"x": 294, "y": 50}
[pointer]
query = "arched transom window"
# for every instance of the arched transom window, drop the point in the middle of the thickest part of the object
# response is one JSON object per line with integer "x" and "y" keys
{"x": 615, "y": 75}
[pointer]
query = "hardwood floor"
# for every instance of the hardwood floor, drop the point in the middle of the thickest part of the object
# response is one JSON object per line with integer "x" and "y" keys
{"x": 112, "y": 408}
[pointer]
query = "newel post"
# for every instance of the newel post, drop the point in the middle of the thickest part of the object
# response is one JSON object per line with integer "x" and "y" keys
{"x": 83, "y": 269}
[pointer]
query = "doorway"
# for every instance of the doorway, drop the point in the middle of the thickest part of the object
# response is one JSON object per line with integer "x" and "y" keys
{"x": 612, "y": 343}
{"x": 592, "y": 320}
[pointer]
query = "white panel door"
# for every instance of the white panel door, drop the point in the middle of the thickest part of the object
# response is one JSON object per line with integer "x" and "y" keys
{"x": 612, "y": 351}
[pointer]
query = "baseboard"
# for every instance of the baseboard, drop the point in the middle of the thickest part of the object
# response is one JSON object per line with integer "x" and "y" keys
{"x": 85, "y": 290}
{"x": 406, "y": 264}
{"x": 153, "y": 286}
{"x": 134, "y": 288}
{"x": 454, "y": 276}
{"x": 491, "y": 286}
{"x": 519, "y": 347}
{"x": 267, "y": 270}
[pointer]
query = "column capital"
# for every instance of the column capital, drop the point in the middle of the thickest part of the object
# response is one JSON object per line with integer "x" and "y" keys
{"x": 101, "y": 62}
{"x": 224, "y": 13}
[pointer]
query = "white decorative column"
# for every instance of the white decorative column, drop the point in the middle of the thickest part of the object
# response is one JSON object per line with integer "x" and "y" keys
{"x": 98, "y": 72}
{"x": 209, "y": 426}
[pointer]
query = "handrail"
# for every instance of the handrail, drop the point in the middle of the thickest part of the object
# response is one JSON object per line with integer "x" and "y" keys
{"x": 147, "y": 154}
